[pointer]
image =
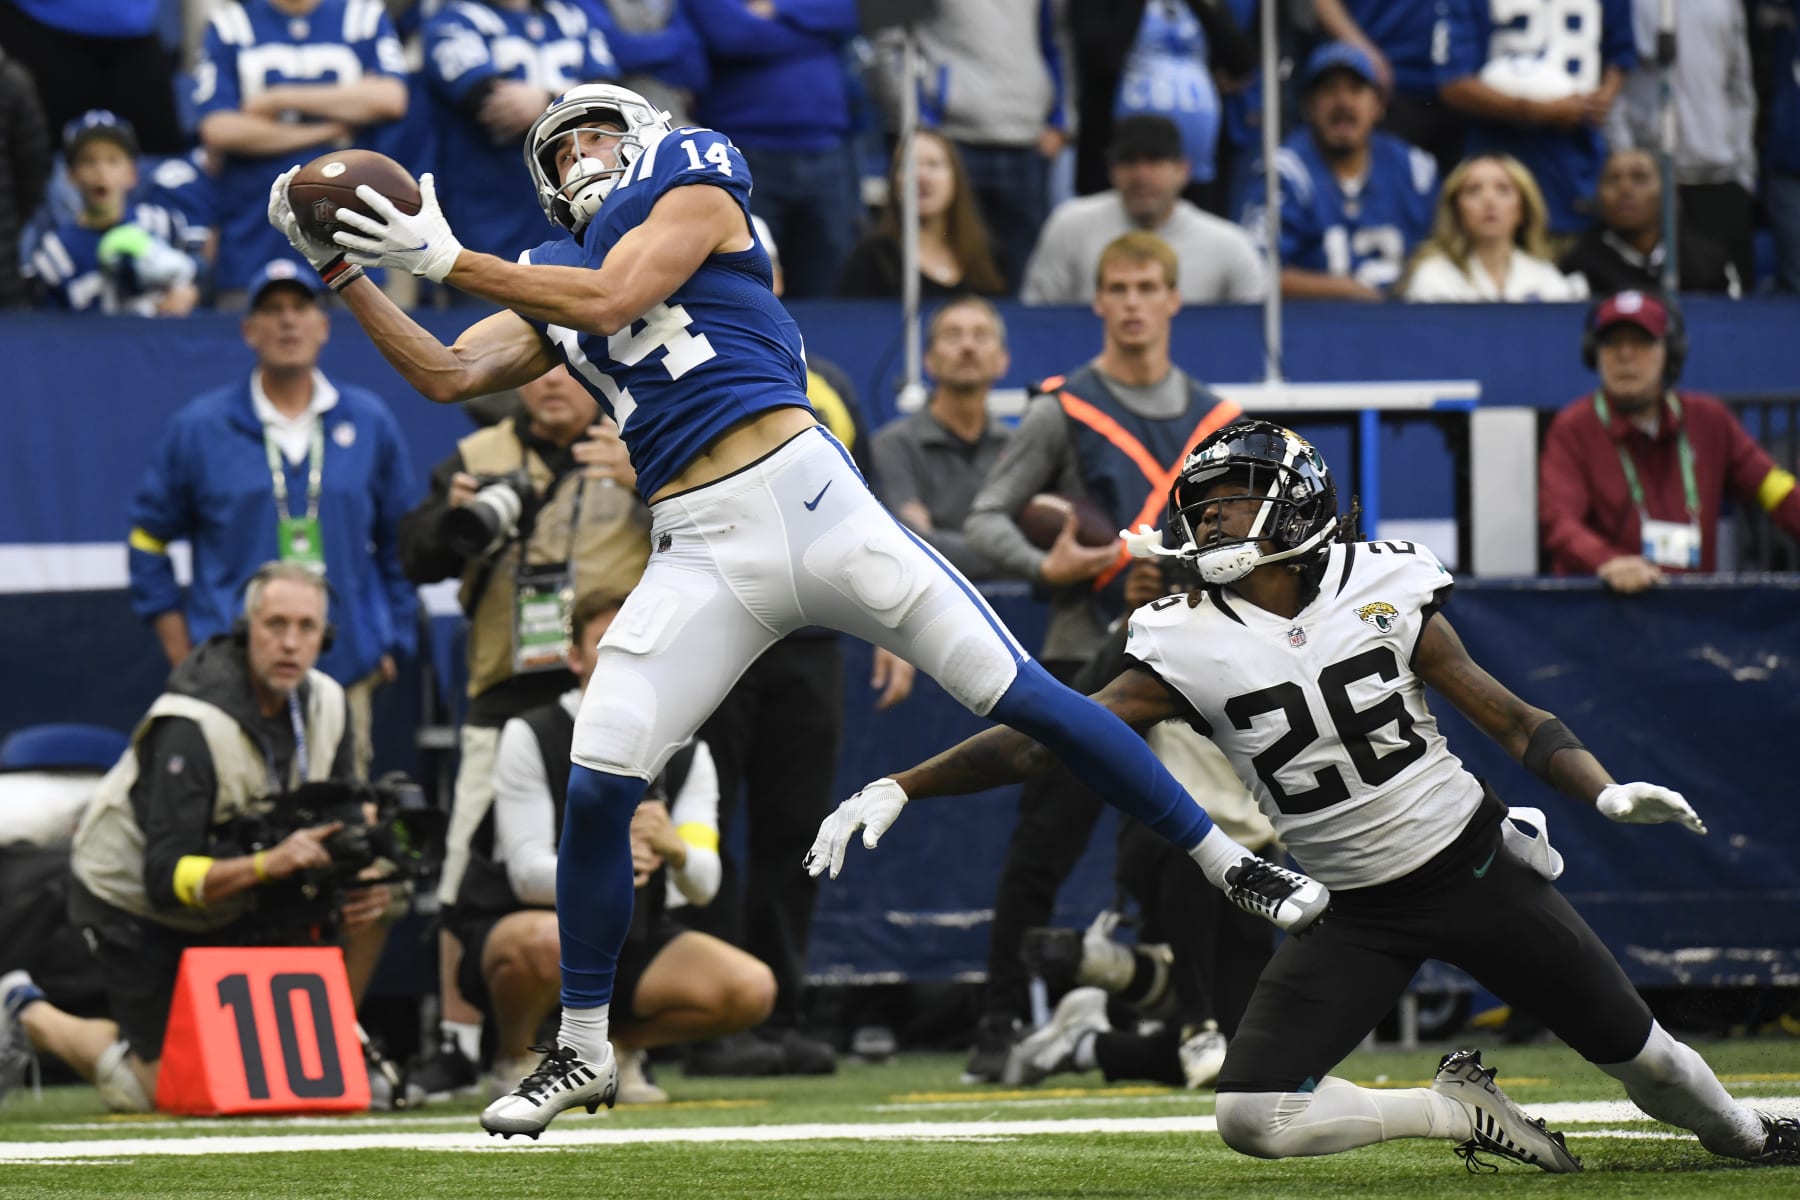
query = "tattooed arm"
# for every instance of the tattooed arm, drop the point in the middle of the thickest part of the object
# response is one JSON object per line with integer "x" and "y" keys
{"x": 1000, "y": 755}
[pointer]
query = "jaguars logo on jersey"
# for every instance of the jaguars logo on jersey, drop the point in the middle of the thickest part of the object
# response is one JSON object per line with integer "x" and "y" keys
{"x": 1380, "y": 614}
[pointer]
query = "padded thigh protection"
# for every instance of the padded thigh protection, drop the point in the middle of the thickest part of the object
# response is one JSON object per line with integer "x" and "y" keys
{"x": 792, "y": 540}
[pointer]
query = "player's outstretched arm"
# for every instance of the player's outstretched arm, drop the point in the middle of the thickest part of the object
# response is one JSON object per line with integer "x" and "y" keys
{"x": 498, "y": 352}
{"x": 1001, "y": 755}
{"x": 1536, "y": 738}
{"x": 989, "y": 759}
{"x": 684, "y": 228}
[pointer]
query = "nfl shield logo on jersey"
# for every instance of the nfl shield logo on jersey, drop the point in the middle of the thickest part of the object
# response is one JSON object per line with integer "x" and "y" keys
{"x": 1297, "y": 637}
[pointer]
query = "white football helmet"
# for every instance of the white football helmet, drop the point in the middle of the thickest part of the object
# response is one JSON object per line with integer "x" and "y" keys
{"x": 573, "y": 204}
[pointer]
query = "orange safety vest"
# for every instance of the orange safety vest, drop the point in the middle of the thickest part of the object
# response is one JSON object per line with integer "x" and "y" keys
{"x": 1160, "y": 478}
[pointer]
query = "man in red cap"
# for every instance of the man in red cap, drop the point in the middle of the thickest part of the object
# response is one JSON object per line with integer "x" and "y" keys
{"x": 1633, "y": 476}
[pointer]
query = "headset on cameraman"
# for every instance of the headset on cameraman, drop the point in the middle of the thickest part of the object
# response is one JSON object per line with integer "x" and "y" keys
{"x": 268, "y": 573}
{"x": 1674, "y": 339}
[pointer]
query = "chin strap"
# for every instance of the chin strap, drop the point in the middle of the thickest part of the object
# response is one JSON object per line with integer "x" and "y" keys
{"x": 1227, "y": 563}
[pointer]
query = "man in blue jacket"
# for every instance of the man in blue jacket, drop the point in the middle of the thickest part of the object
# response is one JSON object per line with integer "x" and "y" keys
{"x": 282, "y": 465}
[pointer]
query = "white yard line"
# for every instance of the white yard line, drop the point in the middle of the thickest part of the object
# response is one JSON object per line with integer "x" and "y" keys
{"x": 572, "y": 1133}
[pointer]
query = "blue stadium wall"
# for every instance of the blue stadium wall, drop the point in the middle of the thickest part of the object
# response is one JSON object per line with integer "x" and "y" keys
{"x": 1711, "y": 710}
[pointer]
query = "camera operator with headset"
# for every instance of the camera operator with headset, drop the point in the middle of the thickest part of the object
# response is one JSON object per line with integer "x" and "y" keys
{"x": 1633, "y": 477}
{"x": 529, "y": 513}
{"x": 244, "y": 722}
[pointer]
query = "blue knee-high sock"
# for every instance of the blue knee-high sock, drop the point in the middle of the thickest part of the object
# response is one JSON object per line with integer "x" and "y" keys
{"x": 594, "y": 882}
{"x": 1103, "y": 752}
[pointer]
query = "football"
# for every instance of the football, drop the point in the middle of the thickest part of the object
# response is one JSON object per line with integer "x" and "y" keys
{"x": 329, "y": 182}
{"x": 1041, "y": 520}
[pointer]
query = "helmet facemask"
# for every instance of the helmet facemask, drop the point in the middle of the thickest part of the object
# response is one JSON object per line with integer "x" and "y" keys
{"x": 1282, "y": 475}
{"x": 603, "y": 109}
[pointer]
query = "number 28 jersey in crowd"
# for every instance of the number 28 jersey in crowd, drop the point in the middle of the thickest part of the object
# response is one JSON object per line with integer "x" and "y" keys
{"x": 719, "y": 349}
{"x": 1321, "y": 715}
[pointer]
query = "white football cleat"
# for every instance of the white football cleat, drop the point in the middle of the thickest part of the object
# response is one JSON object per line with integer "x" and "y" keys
{"x": 1051, "y": 1049}
{"x": 563, "y": 1080}
{"x": 1203, "y": 1056}
{"x": 1292, "y": 901}
{"x": 1501, "y": 1126}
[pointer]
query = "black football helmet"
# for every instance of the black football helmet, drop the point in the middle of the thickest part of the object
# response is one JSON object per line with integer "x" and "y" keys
{"x": 1270, "y": 464}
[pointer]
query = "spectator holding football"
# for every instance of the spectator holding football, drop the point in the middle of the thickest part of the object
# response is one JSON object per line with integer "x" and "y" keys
{"x": 1114, "y": 431}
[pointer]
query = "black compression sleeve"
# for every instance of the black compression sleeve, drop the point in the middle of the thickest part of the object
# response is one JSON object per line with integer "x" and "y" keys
{"x": 1546, "y": 740}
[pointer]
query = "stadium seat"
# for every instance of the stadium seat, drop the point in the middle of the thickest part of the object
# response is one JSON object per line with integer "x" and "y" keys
{"x": 63, "y": 746}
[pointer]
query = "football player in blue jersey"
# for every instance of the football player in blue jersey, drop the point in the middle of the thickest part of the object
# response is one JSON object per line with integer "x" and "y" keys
{"x": 277, "y": 77}
{"x": 658, "y": 298}
{"x": 1304, "y": 656}
{"x": 491, "y": 68}
{"x": 1539, "y": 78}
{"x": 1354, "y": 201}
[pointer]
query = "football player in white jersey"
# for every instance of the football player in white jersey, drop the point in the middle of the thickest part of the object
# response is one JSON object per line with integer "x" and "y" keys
{"x": 1305, "y": 658}
{"x": 655, "y": 292}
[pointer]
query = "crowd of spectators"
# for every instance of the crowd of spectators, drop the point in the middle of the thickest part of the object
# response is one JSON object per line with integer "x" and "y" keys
{"x": 1029, "y": 105}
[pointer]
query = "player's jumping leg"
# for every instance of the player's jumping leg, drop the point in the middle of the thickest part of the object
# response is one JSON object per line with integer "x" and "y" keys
{"x": 884, "y": 584}
{"x": 1111, "y": 758}
{"x": 593, "y": 904}
{"x": 645, "y": 699}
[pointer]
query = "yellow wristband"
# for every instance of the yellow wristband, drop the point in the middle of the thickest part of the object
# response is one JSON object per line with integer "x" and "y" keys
{"x": 256, "y": 864}
{"x": 190, "y": 879}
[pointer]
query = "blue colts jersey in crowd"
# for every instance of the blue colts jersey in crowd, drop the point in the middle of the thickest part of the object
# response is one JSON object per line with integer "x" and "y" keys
{"x": 1558, "y": 45}
{"x": 720, "y": 349}
{"x": 1364, "y": 232}
{"x": 255, "y": 46}
{"x": 483, "y": 187}
{"x": 66, "y": 263}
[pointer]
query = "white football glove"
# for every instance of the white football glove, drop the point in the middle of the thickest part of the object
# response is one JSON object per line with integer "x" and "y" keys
{"x": 421, "y": 244}
{"x": 1646, "y": 804}
{"x": 871, "y": 810}
{"x": 281, "y": 216}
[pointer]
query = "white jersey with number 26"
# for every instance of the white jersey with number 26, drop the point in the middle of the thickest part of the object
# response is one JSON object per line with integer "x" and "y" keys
{"x": 1321, "y": 715}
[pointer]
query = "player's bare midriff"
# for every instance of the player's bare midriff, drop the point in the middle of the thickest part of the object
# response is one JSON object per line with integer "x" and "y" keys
{"x": 739, "y": 446}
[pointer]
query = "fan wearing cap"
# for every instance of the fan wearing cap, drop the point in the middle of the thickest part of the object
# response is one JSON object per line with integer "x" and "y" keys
{"x": 1354, "y": 201}
{"x": 1633, "y": 476}
{"x": 1148, "y": 169}
{"x": 113, "y": 256}
{"x": 281, "y": 464}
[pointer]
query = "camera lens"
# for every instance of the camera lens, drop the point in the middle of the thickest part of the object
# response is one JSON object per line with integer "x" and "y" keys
{"x": 485, "y": 522}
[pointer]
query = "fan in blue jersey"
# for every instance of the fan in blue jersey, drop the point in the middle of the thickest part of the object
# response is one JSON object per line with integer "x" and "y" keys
{"x": 182, "y": 185}
{"x": 1539, "y": 77}
{"x": 658, "y": 299}
{"x": 491, "y": 69}
{"x": 115, "y": 255}
{"x": 1398, "y": 36}
{"x": 1354, "y": 201}
{"x": 1781, "y": 149}
{"x": 278, "y": 78}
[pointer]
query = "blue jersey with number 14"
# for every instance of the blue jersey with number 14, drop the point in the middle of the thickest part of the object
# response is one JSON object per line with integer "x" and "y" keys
{"x": 720, "y": 349}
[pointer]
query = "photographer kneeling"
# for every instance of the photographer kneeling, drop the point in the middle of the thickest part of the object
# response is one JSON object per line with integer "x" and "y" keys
{"x": 158, "y": 861}
{"x": 673, "y": 984}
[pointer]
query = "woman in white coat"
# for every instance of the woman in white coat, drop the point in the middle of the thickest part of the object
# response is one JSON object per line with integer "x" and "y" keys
{"x": 1488, "y": 241}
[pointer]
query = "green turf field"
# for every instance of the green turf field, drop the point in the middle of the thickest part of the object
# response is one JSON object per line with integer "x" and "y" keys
{"x": 901, "y": 1129}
